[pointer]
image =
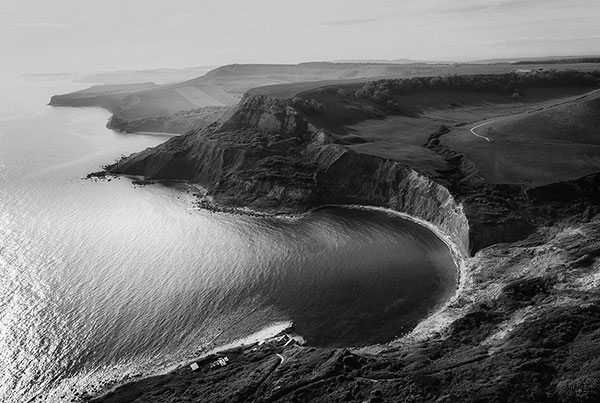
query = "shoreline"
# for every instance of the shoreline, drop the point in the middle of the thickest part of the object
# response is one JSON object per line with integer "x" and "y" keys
{"x": 428, "y": 325}
{"x": 269, "y": 331}
{"x": 186, "y": 187}
{"x": 459, "y": 258}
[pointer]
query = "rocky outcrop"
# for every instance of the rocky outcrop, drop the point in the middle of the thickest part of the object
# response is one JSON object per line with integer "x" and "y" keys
{"x": 185, "y": 158}
{"x": 271, "y": 115}
{"x": 269, "y": 157}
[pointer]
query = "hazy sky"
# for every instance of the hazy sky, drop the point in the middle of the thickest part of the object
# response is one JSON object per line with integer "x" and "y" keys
{"x": 91, "y": 35}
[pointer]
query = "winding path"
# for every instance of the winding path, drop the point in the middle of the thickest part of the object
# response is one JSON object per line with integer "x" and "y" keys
{"x": 479, "y": 125}
{"x": 563, "y": 102}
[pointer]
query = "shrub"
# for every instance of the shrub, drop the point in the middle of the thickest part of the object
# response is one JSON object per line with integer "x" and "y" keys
{"x": 384, "y": 90}
{"x": 583, "y": 389}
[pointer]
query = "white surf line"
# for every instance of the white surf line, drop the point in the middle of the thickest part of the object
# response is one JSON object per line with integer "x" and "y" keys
{"x": 482, "y": 124}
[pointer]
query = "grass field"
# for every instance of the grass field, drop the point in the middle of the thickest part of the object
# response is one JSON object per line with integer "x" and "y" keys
{"x": 544, "y": 145}
{"x": 543, "y": 136}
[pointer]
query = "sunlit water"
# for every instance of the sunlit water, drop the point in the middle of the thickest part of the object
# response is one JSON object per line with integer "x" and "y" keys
{"x": 103, "y": 280}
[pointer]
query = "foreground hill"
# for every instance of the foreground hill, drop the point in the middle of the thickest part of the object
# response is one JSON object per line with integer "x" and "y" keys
{"x": 524, "y": 323}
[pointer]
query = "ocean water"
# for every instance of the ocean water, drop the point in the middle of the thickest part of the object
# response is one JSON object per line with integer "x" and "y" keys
{"x": 103, "y": 280}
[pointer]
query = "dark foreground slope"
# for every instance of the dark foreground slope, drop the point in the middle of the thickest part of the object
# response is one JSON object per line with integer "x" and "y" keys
{"x": 525, "y": 321}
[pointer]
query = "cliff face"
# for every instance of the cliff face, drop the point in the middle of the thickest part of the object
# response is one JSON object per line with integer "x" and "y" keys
{"x": 184, "y": 157}
{"x": 346, "y": 177}
{"x": 268, "y": 156}
{"x": 271, "y": 115}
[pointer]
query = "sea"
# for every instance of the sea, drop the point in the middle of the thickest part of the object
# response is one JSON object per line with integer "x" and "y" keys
{"x": 103, "y": 281}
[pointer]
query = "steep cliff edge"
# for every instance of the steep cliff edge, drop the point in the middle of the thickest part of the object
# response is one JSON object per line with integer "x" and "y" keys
{"x": 267, "y": 156}
{"x": 271, "y": 154}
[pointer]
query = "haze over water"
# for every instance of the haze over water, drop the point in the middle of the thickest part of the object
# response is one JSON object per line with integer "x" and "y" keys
{"x": 102, "y": 279}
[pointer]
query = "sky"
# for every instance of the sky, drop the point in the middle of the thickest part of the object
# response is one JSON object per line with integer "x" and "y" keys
{"x": 105, "y": 35}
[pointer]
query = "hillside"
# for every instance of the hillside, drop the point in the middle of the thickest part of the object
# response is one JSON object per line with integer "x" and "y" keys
{"x": 225, "y": 86}
{"x": 383, "y": 119}
{"x": 575, "y": 120}
{"x": 105, "y": 96}
{"x": 540, "y": 146}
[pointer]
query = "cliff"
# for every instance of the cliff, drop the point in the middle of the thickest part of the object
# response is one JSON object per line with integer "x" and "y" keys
{"x": 267, "y": 156}
{"x": 525, "y": 319}
{"x": 270, "y": 155}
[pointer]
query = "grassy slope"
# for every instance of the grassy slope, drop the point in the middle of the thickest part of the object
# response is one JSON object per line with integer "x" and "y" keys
{"x": 158, "y": 76}
{"x": 402, "y": 135}
{"x": 548, "y": 145}
{"x": 576, "y": 121}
